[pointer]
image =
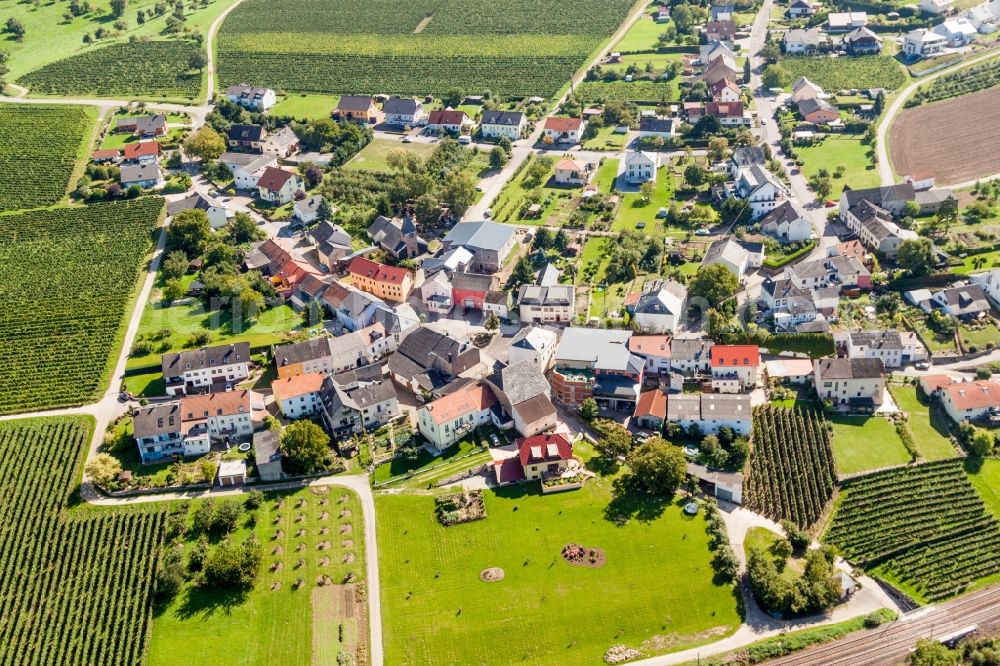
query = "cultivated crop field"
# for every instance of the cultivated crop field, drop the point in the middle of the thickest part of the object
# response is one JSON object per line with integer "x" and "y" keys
{"x": 833, "y": 74}
{"x": 436, "y": 610}
{"x": 791, "y": 466}
{"x": 948, "y": 139}
{"x": 923, "y": 528}
{"x": 965, "y": 80}
{"x": 137, "y": 69}
{"x": 40, "y": 147}
{"x": 75, "y": 589}
{"x": 508, "y": 47}
{"x": 66, "y": 278}
{"x": 620, "y": 91}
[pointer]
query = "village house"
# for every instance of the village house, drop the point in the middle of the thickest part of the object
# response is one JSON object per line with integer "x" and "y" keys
{"x": 427, "y": 360}
{"x": 536, "y": 344}
{"x": 298, "y": 396}
{"x": 958, "y": 32}
{"x": 146, "y": 176}
{"x": 760, "y": 187}
{"x": 787, "y": 223}
{"x": 935, "y": 6}
{"x": 720, "y": 31}
{"x": 546, "y": 301}
{"x": 246, "y": 138}
{"x": 651, "y": 410}
{"x": 839, "y": 271}
{"x": 564, "y": 130}
{"x": 283, "y": 142}
{"x": 656, "y": 127}
{"x": 852, "y": 248}
{"x": 818, "y": 111}
{"x": 355, "y": 401}
{"x": 724, "y": 91}
{"x": 596, "y": 363}
{"x": 654, "y": 350}
{"x": 982, "y": 19}
{"x": 711, "y": 412}
{"x": 804, "y": 89}
{"x": 573, "y": 172}
{"x": 279, "y": 186}
{"x": 851, "y": 384}
{"x": 744, "y": 157}
{"x": 449, "y": 121}
{"x": 800, "y": 8}
{"x": 798, "y": 41}
{"x": 690, "y": 356}
{"x": 712, "y": 50}
{"x": 403, "y": 111}
{"x": 267, "y": 455}
{"x": 495, "y": 124}
{"x": 734, "y": 367}
{"x": 532, "y": 459}
{"x": 435, "y": 294}
{"x": 875, "y": 228}
{"x": 964, "y": 301}
{"x": 921, "y": 43}
{"x": 306, "y": 210}
{"x": 490, "y": 243}
{"x": 730, "y": 114}
{"x": 250, "y": 97}
{"x": 331, "y": 241}
{"x": 247, "y": 168}
{"x": 352, "y": 308}
{"x": 217, "y": 213}
{"x": 106, "y": 156}
{"x": 971, "y": 401}
{"x": 390, "y": 283}
{"x": 397, "y": 236}
{"x": 448, "y": 419}
{"x": 209, "y": 368}
{"x": 990, "y": 282}
{"x": 358, "y": 109}
{"x": 469, "y": 290}
{"x": 145, "y": 127}
{"x": 660, "y": 306}
{"x": 719, "y": 69}
{"x": 845, "y": 21}
{"x": 525, "y": 397}
{"x": 896, "y": 349}
{"x": 737, "y": 257}
{"x": 640, "y": 167}
{"x": 861, "y": 42}
{"x": 186, "y": 427}
{"x": 141, "y": 152}
{"x": 332, "y": 355}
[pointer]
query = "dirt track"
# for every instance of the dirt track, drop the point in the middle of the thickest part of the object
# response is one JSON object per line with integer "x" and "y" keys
{"x": 955, "y": 140}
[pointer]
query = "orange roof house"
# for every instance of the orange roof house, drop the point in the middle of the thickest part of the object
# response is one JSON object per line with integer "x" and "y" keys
{"x": 390, "y": 283}
{"x": 651, "y": 409}
{"x": 735, "y": 356}
{"x": 142, "y": 149}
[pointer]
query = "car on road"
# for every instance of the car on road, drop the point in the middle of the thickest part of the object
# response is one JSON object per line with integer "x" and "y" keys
{"x": 465, "y": 140}
{"x": 488, "y": 213}
{"x": 922, "y": 365}
{"x": 479, "y": 188}
{"x": 407, "y": 139}
{"x": 794, "y": 172}
{"x": 830, "y": 203}
{"x": 703, "y": 231}
{"x": 495, "y": 440}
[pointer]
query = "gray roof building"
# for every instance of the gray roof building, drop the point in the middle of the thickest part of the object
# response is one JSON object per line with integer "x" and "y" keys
{"x": 176, "y": 363}
{"x": 480, "y": 235}
{"x": 850, "y": 368}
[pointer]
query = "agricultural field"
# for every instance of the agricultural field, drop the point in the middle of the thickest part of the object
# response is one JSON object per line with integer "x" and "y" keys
{"x": 962, "y": 82}
{"x": 861, "y": 443}
{"x": 437, "y": 610}
{"x": 948, "y": 139}
{"x": 41, "y": 146}
{"x": 791, "y": 465}
{"x": 923, "y": 528}
{"x": 620, "y": 91}
{"x": 50, "y": 37}
{"x": 155, "y": 69}
{"x": 840, "y": 150}
{"x": 67, "y": 278}
{"x": 833, "y": 74}
{"x": 510, "y": 48}
{"x": 75, "y": 587}
{"x": 315, "y": 535}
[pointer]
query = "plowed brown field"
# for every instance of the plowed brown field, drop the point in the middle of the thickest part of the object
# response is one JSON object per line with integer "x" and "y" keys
{"x": 955, "y": 140}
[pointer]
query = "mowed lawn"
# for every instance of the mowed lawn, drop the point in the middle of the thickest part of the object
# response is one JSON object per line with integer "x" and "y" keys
{"x": 269, "y": 626}
{"x": 373, "y": 156}
{"x": 655, "y": 592}
{"x": 642, "y": 36}
{"x": 861, "y": 443}
{"x": 986, "y": 480}
{"x": 929, "y": 435}
{"x": 305, "y": 107}
{"x": 835, "y": 151}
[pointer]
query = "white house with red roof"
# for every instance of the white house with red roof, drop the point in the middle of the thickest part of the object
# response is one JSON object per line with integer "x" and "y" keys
{"x": 532, "y": 459}
{"x": 971, "y": 401}
{"x": 655, "y": 349}
{"x": 564, "y": 130}
{"x": 141, "y": 152}
{"x": 298, "y": 395}
{"x": 278, "y": 186}
{"x": 448, "y": 120}
{"x": 573, "y": 172}
{"x": 725, "y": 90}
{"x": 450, "y": 418}
{"x": 651, "y": 409}
{"x": 734, "y": 367}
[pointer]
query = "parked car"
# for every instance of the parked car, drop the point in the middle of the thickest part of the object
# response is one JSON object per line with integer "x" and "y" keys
{"x": 494, "y": 440}
{"x": 922, "y": 365}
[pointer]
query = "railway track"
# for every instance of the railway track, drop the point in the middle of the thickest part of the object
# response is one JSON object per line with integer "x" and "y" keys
{"x": 893, "y": 642}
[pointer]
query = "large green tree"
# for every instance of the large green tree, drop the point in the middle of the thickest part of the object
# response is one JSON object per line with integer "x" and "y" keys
{"x": 205, "y": 144}
{"x": 714, "y": 282}
{"x": 306, "y": 447}
{"x": 189, "y": 231}
{"x": 658, "y": 467}
{"x": 916, "y": 256}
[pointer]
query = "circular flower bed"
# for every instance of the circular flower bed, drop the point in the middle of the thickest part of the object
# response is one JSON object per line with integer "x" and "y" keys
{"x": 582, "y": 556}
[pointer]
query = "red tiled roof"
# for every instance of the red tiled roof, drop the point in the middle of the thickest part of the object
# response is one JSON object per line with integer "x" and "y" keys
{"x": 724, "y": 109}
{"x": 731, "y": 356}
{"x": 657, "y": 345}
{"x": 292, "y": 387}
{"x": 106, "y": 154}
{"x": 934, "y": 382}
{"x": 509, "y": 471}
{"x": 141, "y": 149}
{"x": 376, "y": 271}
{"x": 719, "y": 85}
{"x": 542, "y": 448}
{"x": 224, "y": 403}
{"x": 446, "y": 117}
{"x": 652, "y": 403}
{"x": 464, "y": 401}
{"x": 273, "y": 179}
{"x": 558, "y": 124}
{"x": 852, "y": 248}
{"x": 974, "y": 395}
